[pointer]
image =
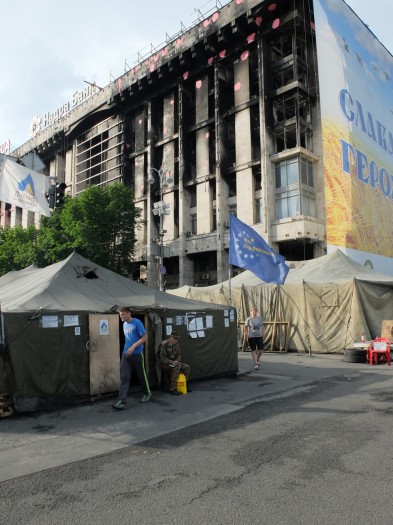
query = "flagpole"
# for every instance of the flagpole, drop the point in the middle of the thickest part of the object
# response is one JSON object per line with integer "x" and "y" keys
{"x": 307, "y": 333}
{"x": 2, "y": 202}
{"x": 229, "y": 283}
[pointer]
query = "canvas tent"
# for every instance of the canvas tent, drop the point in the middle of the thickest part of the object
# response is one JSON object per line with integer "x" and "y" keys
{"x": 328, "y": 302}
{"x": 61, "y": 335}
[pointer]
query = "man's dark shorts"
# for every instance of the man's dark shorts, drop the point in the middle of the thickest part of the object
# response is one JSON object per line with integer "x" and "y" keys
{"x": 255, "y": 343}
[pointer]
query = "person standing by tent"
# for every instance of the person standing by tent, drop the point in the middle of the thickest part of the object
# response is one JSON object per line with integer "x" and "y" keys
{"x": 132, "y": 358}
{"x": 170, "y": 362}
{"x": 254, "y": 331}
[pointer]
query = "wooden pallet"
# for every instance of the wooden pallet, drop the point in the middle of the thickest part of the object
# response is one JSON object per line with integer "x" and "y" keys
{"x": 6, "y": 408}
{"x": 279, "y": 336}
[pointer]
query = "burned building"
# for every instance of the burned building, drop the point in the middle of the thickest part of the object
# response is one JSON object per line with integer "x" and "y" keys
{"x": 231, "y": 109}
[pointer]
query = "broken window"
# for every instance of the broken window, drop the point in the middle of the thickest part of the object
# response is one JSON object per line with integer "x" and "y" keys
{"x": 99, "y": 156}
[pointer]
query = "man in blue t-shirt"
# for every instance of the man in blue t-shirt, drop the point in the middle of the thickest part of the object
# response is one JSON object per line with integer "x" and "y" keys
{"x": 132, "y": 358}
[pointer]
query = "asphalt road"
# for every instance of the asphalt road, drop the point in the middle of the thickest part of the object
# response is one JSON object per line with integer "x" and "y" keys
{"x": 304, "y": 440}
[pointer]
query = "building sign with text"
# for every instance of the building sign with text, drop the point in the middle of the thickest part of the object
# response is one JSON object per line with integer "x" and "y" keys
{"x": 357, "y": 134}
{"x": 40, "y": 123}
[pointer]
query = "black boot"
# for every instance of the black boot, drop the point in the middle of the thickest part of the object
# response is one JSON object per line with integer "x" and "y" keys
{"x": 174, "y": 392}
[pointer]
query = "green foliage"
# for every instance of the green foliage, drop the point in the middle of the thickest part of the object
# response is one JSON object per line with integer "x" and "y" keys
{"x": 53, "y": 243}
{"x": 17, "y": 248}
{"x": 100, "y": 225}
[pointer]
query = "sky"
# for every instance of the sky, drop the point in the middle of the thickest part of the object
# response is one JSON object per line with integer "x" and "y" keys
{"x": 50, "y": 48}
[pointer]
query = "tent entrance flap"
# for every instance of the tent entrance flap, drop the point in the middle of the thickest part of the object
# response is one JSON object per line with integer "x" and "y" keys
{"x": 104, "y": 353}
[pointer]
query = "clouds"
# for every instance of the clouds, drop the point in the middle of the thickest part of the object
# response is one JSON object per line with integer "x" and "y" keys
{"x": 50, "y": 47}
{"x": 36, "y": 76}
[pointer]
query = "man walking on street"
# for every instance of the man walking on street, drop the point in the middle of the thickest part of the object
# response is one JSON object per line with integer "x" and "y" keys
{"x": 132, "y": 358}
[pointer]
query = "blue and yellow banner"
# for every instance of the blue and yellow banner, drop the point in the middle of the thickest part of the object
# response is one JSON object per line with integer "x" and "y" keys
{"x": 23, "y": 187}
{"x": 356, "y": 94}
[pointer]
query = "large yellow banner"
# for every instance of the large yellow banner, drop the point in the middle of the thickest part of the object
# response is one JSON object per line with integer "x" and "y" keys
{"x": 356, "y": 94}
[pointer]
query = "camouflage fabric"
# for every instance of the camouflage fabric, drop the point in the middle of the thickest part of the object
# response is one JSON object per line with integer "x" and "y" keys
{"x": 169, "y": 353}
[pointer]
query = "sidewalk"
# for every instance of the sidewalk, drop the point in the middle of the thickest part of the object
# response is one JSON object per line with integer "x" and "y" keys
{"x": 35, "y": 442}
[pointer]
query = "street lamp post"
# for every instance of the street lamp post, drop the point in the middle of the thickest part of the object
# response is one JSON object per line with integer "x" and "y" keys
{"x": 161, "y": 208}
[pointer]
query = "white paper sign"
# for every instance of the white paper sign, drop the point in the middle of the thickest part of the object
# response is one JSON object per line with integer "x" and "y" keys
{"x": 50, "y": 321}
{"x": 104, "y": 327}
{"x": 199, "y": 323}
{"x": 71, "y": 320}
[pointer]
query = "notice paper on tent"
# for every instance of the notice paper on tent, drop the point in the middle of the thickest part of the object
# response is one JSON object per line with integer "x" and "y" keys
{"x": 50, "y": 321}
{"x": 199, "y": 323}
{"x": 71, "y": 320}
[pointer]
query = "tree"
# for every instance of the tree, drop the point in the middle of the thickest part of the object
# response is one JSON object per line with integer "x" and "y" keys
{"x": 17, "y": 248}
{"x": 100, "y": 224}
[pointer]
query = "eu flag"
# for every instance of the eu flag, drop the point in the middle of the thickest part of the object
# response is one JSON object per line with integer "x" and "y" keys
{"x": 248, "y": 250}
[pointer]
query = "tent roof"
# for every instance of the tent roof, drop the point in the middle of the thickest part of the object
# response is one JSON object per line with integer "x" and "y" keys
{"x": 77, "y": 284}
{"x": 334, "y": 267}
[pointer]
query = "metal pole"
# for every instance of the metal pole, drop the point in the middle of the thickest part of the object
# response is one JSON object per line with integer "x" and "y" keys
{"x": 229, "y": 283}
{"x": 160, "y": 276}
{"x": 160, "y": 208}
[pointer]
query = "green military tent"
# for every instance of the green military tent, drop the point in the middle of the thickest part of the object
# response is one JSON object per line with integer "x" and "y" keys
{"x": 61, "y": 337}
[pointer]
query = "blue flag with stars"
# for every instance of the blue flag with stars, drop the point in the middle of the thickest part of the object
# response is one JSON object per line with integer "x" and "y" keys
{"x": 248, "y": 250}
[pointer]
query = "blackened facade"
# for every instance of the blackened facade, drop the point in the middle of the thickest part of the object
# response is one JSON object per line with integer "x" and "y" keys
{"x": 231, "y": 108}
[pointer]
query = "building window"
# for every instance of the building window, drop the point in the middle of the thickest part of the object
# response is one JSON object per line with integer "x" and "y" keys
{"x": 193, "y": 196}
{"x": 193, "y": 218}
{"x": 231, "y": 180}
{"x": 295, "y": 193}
{"x": 258, "y": 210}
{"x": 257, "y": 176}
{"x": 287, "y": 204}
{"x": 214, "y": 219}
{"x": 99, "y": 155}
{"x": 255, "y": 132}
{"x": 232, "y": 209}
